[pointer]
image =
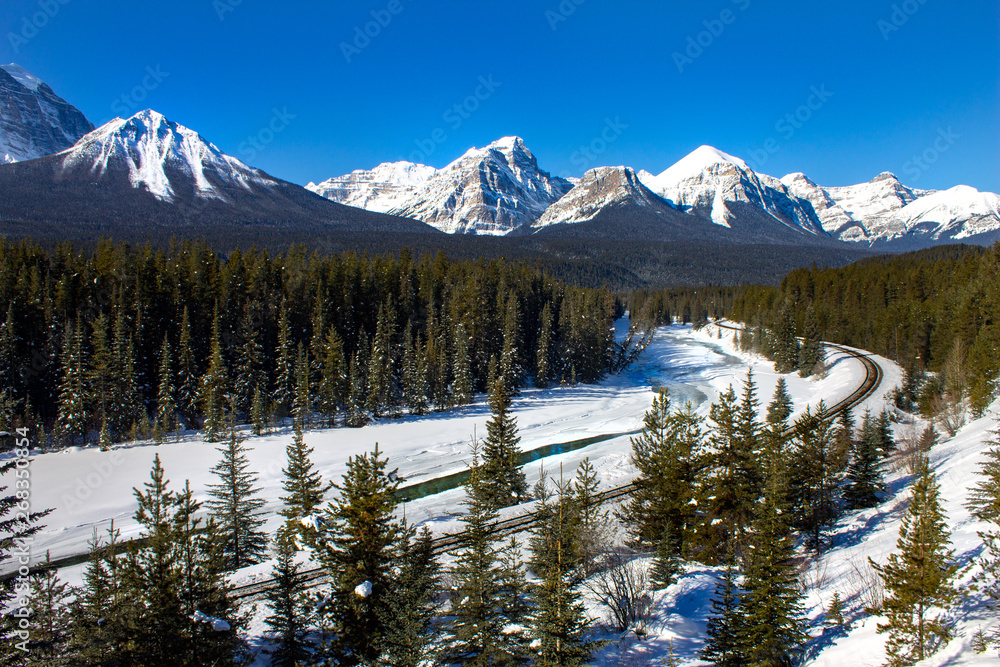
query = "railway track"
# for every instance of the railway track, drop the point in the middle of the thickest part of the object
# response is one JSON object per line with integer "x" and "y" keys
{"x": 451, "y": 541}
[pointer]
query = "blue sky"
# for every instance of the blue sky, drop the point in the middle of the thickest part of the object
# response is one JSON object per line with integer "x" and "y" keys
{"x": 840, "y": 91}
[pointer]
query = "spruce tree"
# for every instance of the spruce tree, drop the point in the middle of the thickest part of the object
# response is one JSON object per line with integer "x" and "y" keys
{"x": 355, "y": 417}
{"x": 249, "y": 360}
{"x": 166, "y": 407}
{"x": 509, "y": 368}
{"x": 503, "y": 481}
{"x": 475, "y": 635}
{"x": 811, "y": 355}
{"x": 729, "y": 486}
{"x": 919, "y": 577}
{"x": 724, "y": 634}
{"x": 334, "y": 377}
{"x": 101, "y": 372}
{"x": 381, "y": 361}
{"x": 543, "y": 356}
{"x": 814, "y": 479}
{"x": 103, "y": 614}
{"x": 72, "y": 418}
{"x": 462, "y": 390}
{"x": 772, "y": 625}
{"x": 411, "y": 634}
{"x": 362, "y": 547}
{"x": 214, "y": 389}
{"x": 559, "y": 624}
{"x": 126, "y": 397}
{"x": 302, "y": 405}
{"x": 984, "y": 504}
{"x": 284, "y": 364}
{"x": 303, "y": 486}
{"x": 864, "y": 474}
{"x": 187, "y": 373}
{"x": 51, "y": 632}
{"x": 786, "y": 345}
{"x": 258, "y": 413}
{"x": 883, "y": 426}
{"x": 289, "y": 614}
{"x": 236, "y": 505}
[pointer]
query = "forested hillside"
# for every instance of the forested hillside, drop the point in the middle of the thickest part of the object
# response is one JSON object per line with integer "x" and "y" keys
{"x": 127, "y": 341}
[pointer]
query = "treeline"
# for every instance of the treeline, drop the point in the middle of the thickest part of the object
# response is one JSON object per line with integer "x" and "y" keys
{"x": 933, "y": 311}
{"x": 131, "y": 342}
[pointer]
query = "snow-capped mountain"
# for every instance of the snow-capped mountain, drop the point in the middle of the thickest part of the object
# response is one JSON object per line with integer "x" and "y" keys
{"x": 599, "y": 189}
{"x": 34, "y": 121}
{"x": 492, "y": 190}
{"x": 147, "y": 174}
{"x": 384, "y": 188}
{"x": 724, "y": 189}
{"x": 161, "y": 157}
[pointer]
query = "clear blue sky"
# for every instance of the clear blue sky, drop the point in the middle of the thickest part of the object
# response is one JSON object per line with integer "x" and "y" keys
{"x": 892, "y": 90}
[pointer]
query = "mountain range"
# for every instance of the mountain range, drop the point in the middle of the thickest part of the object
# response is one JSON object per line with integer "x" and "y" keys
{"x": 149, "y": 175}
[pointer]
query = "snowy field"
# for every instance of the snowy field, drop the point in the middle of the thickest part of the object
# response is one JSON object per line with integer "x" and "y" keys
{"x": 89, "y": 488}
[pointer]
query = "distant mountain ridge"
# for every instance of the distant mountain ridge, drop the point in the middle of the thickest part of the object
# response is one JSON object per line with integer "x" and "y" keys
{"x": 34, "y": 121}
{"x": 708, "y": 185}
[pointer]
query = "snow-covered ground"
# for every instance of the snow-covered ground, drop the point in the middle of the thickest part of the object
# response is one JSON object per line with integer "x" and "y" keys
{"x": 88, "y": 488}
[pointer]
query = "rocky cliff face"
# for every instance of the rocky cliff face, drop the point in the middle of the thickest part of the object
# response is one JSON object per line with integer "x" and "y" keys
{"x": 34, "y": 121}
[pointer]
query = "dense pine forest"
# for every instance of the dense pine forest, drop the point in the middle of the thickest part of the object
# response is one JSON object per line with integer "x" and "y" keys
{"x": 935, "y": 312}
{"x": 129, "y": 341}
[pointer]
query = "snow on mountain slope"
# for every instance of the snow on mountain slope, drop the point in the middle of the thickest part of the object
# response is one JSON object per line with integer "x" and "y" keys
{"x": 382, "y": 189}
{"x": 157, "y": 154}
{"x": 717, "y": 186}
{"x": 598, "y": 189}
{"x": 34, "y": 121}
{"x": 491, "y": 190}
{"x": 958, "y": 213}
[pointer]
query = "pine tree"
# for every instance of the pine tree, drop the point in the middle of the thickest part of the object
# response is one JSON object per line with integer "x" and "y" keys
{"x": 248, "y": 362}
{"x": 101, "y": 371}
{"x": 72, "y": 419}
{"x": 668, "y": 455}
{"x": 50, "y": 619}
{"x": 592, "y": 519}
{"x": 475, "y": 633}
{"x": 779, "y": 410}
{"x": 284, "y": 364}
{"x": 509, "y": 368}
{"x": 103, "y": 614}
{"x": 786, "y": 345}
{"x": 361, "y": 549}
{"x": 813, "y": 479}
{"x": 166, "y": 408}
{"x": 187, "y": 373}
{"x": 864, "y": 474}
{"x": 302, "y": 406}
{"x": 834, "y": 617}
{"x": 772, "y": 625}
{"x": 410, "y": 638}
{"x": 724, "y": 633}
{"x": 462, "y": 390}
{"x": 356, "y": 417}
{"x": 236, "y": 506}
{"x": 214, "y": 388}
{"x": 415, "y": 382}
{"x": 559, "y": 623}
{"x": 919, "y": 577}
{"x": 843, "y": 439}
{"x": 503, "y": 481}
{"x": 334, "y": 377}
{"x": 811, "y": 354}
{"x": 258, "y": 414}
{"x": 729, "y": 486}
{"x": 887, "y": 443}
{"x": 543, "y": 357}
{"x": 126, "y": 396}
{"x": 380, "y": 364}
{"x": 289, "y": 614}
{"x": 303, "y": 486}
{"x": 984, "y": 504}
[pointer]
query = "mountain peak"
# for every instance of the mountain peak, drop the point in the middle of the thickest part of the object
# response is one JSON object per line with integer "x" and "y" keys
{"x": 697, "y": 161}
{"x": 156, "y": 152}
{"x": 23, "y": 76}
{"x": 885, "y": 176}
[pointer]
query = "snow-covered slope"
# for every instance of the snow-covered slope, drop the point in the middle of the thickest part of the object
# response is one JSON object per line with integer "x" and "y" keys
{"x": 384, "y": 188}
{"x": 34, "y": 121}
{"x": 158, "y": 154}
{"x": 598, "y": 189}
{"x": 719, "y": 187}
{"x": 491, "y": 190}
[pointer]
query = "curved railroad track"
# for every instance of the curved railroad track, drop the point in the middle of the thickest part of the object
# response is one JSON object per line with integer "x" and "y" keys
{"x": 452, "y": 541}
